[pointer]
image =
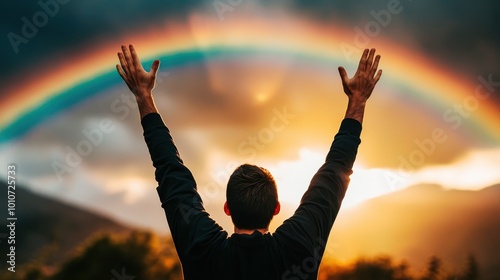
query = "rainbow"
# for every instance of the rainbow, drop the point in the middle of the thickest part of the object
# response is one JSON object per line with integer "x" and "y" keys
{"x": 203, "y": 39}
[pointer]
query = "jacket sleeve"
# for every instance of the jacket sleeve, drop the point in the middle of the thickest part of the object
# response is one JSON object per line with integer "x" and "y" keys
{"x": 189, "y": 223}
{"x": 311, "y": 223}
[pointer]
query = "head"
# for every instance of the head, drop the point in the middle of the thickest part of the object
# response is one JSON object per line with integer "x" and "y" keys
{"x": 252, "y": 197}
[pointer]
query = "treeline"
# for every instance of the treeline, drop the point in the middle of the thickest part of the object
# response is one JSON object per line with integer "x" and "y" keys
{"x": 144, "y": 256}
{"x": 384, "y": 268}
{"x": 139, "y": 255}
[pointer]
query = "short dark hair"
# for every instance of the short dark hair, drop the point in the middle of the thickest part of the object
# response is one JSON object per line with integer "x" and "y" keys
{"x": 251, "y": 196}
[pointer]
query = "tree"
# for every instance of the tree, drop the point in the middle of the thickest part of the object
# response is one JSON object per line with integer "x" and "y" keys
{"x": 433, "y": 269}
{"x": 472, "y": 270}
{"x": 379, "y": 268}
{"x": 136, "y": 257}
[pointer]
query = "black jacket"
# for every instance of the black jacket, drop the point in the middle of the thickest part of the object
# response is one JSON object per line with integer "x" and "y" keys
{"x": 293, "y": 251}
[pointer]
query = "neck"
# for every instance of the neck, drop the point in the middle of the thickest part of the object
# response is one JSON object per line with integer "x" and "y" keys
{"x": 250, "y": 231}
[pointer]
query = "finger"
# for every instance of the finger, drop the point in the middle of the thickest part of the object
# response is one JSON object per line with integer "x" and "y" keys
{"x": 123, "y": 63}
{"x": 374, "y": 66}
{"x": 377, "y": 77}
{"x": 121, "y": 72}
{"x": 362, "y": 61}
{"x": 154, "y": 67}
{"x": 128, "y": 59}
{"x": 135, "y": 58}
{"x": 343, "y": 75}
{"x": 369, "y": 61}
{"x": 124, "y": 77}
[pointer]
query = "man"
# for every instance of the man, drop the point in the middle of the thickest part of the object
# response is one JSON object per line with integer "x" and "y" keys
{"x": 295, "y": 250}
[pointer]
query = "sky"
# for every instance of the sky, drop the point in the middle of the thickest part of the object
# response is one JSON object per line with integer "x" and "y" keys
{"x": 246, "y": 81}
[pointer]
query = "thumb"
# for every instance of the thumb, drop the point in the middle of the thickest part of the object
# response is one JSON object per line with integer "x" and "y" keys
{"x": 155, "y": 66}
{"x": 343, "y": 74}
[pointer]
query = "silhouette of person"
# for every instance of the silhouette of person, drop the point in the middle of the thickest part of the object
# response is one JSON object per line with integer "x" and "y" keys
{"x": 295, "y": 249}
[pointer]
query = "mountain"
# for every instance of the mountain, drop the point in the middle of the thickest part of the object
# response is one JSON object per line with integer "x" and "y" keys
{"x": 422, "y": 221}
{"x": 48, "y": 229}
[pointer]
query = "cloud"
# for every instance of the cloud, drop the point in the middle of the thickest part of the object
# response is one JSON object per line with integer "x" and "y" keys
{"x": 224, "y": 113}
{"x": 76, "y": 25}
{"x": 466, "y": 43}
{"x": 474, "y": 170}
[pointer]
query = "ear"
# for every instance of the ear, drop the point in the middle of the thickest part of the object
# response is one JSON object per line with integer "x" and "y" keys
{"x": 226, "y": 209}
{"x": 277, "y": 209}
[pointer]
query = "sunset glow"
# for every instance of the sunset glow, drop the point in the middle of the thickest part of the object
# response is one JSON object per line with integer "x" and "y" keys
{"x": 257, "y": 82}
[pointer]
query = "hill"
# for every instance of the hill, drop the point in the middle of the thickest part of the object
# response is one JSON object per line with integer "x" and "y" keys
{"x": 48, "y": 229}
{"x": 422, "y": 221}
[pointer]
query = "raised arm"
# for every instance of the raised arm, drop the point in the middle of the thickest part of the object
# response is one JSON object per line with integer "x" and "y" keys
{"x": 310, "y": 225}
{"x": 188, "y": 221}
